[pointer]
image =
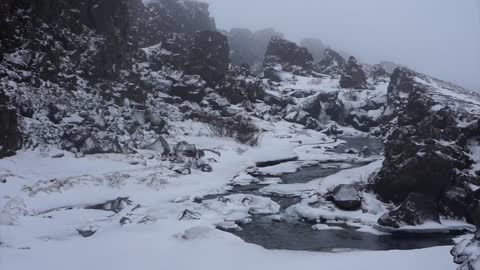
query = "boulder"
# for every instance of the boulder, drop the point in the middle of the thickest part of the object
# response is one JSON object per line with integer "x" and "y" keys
{"x": 190, "y": 88}
{"x": 467, "y": 254}
{"x": 415, "y": 210}
{"x": 184, "y": 149}
{"x": 353, "y": 75}
{"x": 347, "y": 197}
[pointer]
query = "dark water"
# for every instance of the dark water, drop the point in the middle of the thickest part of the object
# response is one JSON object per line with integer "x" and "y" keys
{"x": 375, "y": 145}
{"x": 295, "y": 235}
{"x": 300, "y": 236}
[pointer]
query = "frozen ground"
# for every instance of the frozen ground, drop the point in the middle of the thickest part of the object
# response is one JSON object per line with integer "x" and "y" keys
{"x": 44, "y": 200}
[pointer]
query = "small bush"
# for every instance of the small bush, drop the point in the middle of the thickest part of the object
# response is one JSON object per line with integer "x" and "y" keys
{"x": 239, "y": 127}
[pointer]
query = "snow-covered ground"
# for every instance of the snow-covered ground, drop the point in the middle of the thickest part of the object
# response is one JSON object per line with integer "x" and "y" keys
{"x": 43, "y": 200}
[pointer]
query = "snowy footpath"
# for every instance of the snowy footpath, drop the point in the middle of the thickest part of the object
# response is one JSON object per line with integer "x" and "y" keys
{"x": 47, "y": 204}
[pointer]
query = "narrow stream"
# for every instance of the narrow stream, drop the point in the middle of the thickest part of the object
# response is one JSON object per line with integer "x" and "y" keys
{"x": 294, "y": 235}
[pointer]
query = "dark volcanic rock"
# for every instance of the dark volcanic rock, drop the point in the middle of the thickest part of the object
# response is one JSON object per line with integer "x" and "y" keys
{"x": 9, "y": 137}
{"x": 326, "y": 105}
{"x": 240, "y": 86}
{"x": 425, "y": 152}
{"x": 191, "y": 88}
{"x": 415, "y": 210}
{"x": 288, "y": 55}
{"x": 209, "y": 57}
{"x": 353, "y": 75}
{"x": 347, "y": 197}
{"x": 332, "y": 63}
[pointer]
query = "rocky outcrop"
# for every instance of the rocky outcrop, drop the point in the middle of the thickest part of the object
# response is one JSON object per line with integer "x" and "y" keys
{"x": 240, "y": 86}
{"x": 353, "y": 75}
{"x": 9, "y": 137}
{"x": 326, "y": 106}
{"x": 209, "y": 56}
{"x": 88, "y": 76}
{"x": 425, "y": 152}
{"x": 283, "y": 55}
{"x": 332, "y": 63}
{"x": 415, "y": 210}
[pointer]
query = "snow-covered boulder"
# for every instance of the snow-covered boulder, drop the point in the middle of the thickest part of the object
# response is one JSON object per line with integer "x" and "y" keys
{"x": 347, "y": 197}
{"x": 467, "y": 254}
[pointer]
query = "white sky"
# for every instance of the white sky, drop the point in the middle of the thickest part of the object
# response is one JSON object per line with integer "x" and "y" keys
{"x": 437, "y": 37}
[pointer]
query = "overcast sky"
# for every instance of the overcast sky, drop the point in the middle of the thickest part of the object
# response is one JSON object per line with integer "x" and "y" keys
{"x": 437, "y": 37}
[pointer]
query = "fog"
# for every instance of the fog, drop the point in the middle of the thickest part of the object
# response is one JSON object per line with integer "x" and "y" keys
{"x": 436, "y": 37}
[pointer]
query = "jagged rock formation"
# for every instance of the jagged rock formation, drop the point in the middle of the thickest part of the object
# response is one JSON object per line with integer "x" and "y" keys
{"x": 353, "y": 75}
{"x": 283, "y": 55}
{"x": 427, "y": 150}
{"x": 332, "y": 63}
{"x": 91, "y": 76}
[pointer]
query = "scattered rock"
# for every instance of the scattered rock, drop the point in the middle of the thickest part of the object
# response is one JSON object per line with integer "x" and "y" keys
{"x": 59, "y": 155}
{"x": 115, "y": 205}
{"x": 189, "y": 215}
{"x": 205, "y": 168}
{"x": 88, "y": 231}
{"x": 125, "y": 221}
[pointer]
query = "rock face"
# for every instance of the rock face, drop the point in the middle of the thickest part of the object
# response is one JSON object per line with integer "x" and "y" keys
{"x": 209, "y": 56}
{"x": 287, "y": 56}
{"x": 426, "y": 153}
{"x": 9, "y": 137}
{"x": 95, "y": 76}
{"x": 332, "y": 63}
{"x": 415, "y": 210}
{"x": 353, "y": 75}
{"x": 347, "y": 197}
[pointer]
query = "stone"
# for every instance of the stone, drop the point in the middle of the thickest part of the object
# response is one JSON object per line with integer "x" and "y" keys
{"x": 185, "y": 149}
{"x": 347, "y": 197}
{"x": 9, "y": 137}
{"x": 415, "y": 210}
{"x": 353, "y": 75}
{"x": 115, "y": 205}
{"x": 59, "y": 155}
{"x": 209, "y": 56}
{"x": 332, "y": 63}
{"x": 205, "y": 168}
{"x": 467, "y": 254}
{"x": 88, "y": 231}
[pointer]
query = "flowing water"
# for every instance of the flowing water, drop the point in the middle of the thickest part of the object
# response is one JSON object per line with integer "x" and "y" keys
{"x": 294, "y": 235}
